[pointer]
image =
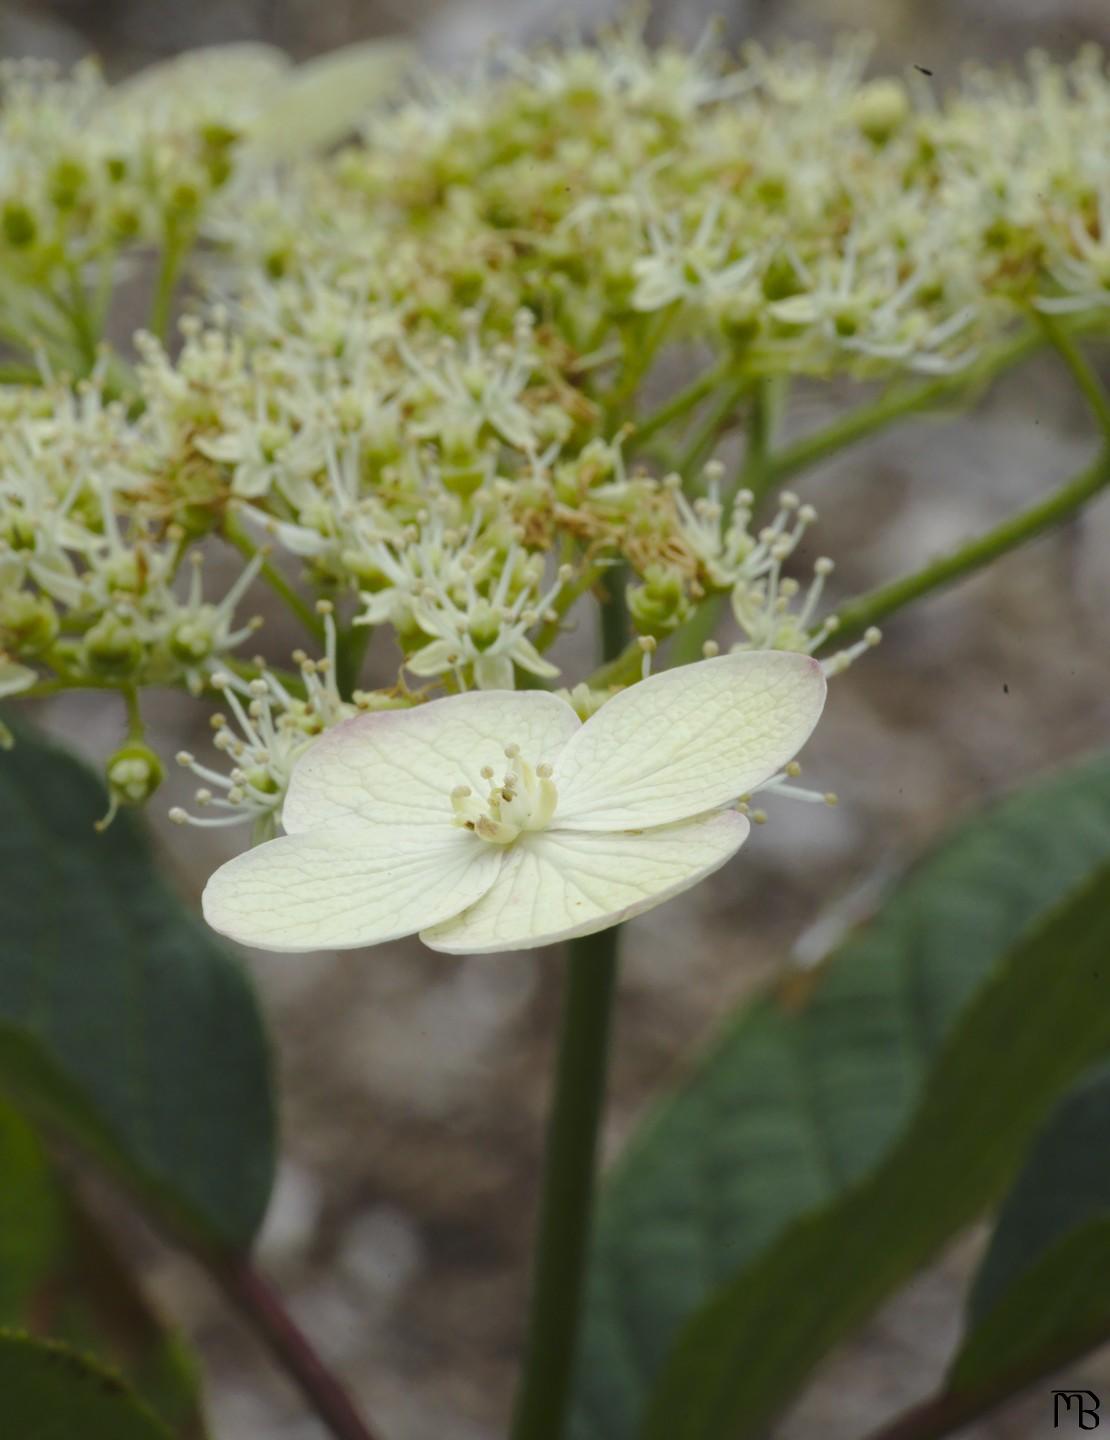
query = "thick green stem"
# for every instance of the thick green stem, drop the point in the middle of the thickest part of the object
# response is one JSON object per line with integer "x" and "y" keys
{"x": 570, "y": 1162}
{"x": 565, "y": 1206}
{"x": 857, "y": 615}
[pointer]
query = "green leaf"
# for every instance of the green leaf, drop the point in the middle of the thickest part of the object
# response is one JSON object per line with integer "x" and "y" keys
{"x": 49, "y": 1392}
{"x": 61, "y": 1280}
{"x": 1041, "y": 1295}
{"x": 1039, "y": 1022}
{"x": 32, "y": 1217}
{"x": 811, "y": 1085}
{"x": 121, "y": 1019}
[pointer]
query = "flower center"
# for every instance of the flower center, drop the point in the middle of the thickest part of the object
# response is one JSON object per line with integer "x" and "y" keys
{"x": 524, "y": 799}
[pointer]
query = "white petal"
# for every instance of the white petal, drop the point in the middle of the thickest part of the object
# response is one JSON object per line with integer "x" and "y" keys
{"x": 347, "y": 885}
{"x": 14, "y": 677}
{"x": 556, "y": 884}
{"x": 400, "y": 766}
{"x": 325, "y": 97}
{"x": 688, "y": 740}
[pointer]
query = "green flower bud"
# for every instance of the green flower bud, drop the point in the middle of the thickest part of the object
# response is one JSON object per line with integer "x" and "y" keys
{"x": 28, "y": 623}
{"x": 880, "y": 108}
{"x": 191, "y": 640}
{"x": 780, "y": 279}
{"x": 111, "y": 649}
{"x": 67, "y": 180}
{"x": 660, "y": 604}
{"x": 18, "y": 531}
{"x": 20, "y": 225}
{"x": 134, "y": 772}
{"x": 124, "y": 222}
{"x": 485, "y": 625}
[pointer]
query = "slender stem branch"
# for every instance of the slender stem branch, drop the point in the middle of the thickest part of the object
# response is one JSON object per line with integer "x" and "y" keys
{"x": 700, "y": 446}
{"x": 263, "y": 1308}
{"x": 623, "y": 669}
{"x": 891, "y": 406}
{"x": 273, "y": 577}
{"x": 169, "y": 266}
{"x": 640, "y": 350}
{"x": 1084, "y": 376}
{"x": 564, "y": 1227}
{"x": 688, "y": 643}
{"x": 350, "y": 653}
{"x": 756, "y": 474}
{"x": 869, "y": 609}
{"x": 680, "y": 403}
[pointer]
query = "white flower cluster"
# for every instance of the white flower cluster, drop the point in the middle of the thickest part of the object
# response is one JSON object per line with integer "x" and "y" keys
{"x": 409, "y": 385}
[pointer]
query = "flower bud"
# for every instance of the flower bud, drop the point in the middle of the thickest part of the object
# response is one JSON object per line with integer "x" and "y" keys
{"x": 880, "y": 108}
{"x": 19, "y": 224}
{"x": 660, "y": 604}
{"x": 67, "y": 180}
{"x": 133, "y": 773}
{"x": 28, "y": 623}
{"x": 192, "y": 639}
{"x": 111, "y": 649}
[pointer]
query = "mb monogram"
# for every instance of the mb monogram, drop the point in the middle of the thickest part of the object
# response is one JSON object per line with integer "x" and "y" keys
{"x": 1077, "y": 1408}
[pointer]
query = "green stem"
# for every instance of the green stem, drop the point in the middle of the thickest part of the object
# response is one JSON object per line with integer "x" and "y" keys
{"x": 564, "y": 1227}
{"x": 869, "y": 609}
{"x": 1081, "y": 370}
{"x": 169, "y": 267}
{"x": 688, "y": 643}
{"x": 614, "y": 613}
{"x": 570, "y": 1162}
{"x": 679, "y": 404}
{"x": 755, "y": 475}
{"x": 640, "y": 351}
{"x": 893, "y": 405}
{"x": 135, "y": 728}
{"x": 701, "y": 445}
{"x": 277, "y": 582}
{"x": 350, "y": 651}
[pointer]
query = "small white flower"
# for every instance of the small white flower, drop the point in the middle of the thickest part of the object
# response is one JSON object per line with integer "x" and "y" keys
{"x": 407, "y": 821}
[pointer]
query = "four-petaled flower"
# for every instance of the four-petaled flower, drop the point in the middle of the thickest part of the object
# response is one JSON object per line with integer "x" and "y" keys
{"x": 497, "y": 820}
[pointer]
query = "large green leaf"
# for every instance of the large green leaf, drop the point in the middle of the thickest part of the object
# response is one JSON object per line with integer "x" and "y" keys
{"x": 121, "y": 1019}
{"x": 1064, "y": 1183}
{"x": 809, "y": 1088}
{"x": 61, "y": 1280}
{"x": 1042, "y": 1018}
{"x": 1040, "y": 1297}
{"x": 49, "y": 1392}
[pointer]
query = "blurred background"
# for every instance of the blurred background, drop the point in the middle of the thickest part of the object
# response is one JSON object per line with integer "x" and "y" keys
{"x": 413, "y": 1085}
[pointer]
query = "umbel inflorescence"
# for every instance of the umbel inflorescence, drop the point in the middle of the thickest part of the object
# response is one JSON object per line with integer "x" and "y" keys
{"x": 412, "y": 388}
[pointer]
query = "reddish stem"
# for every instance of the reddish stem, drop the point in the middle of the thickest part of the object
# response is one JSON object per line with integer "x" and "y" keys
{"x": 268, "y": 1317}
